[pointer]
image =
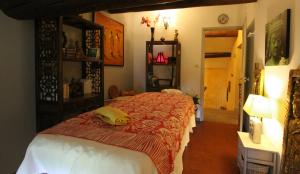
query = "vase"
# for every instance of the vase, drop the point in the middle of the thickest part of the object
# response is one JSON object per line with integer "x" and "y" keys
{"x": 152, "y": 33}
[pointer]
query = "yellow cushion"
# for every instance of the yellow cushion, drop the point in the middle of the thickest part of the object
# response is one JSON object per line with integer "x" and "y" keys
{"x": 111, "y": 115}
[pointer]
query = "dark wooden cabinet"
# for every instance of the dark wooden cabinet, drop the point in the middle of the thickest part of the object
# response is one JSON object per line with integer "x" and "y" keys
{"x": 162, "y": 65}
{"x": 51, "y": 107}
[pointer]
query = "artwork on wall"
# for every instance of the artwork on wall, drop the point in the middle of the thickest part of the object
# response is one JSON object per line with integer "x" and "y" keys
{"x": 113, "y": 40}
{"x": 277, "y": 40}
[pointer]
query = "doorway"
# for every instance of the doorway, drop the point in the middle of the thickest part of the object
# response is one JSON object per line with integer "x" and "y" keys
{"x": 222, "y": 73}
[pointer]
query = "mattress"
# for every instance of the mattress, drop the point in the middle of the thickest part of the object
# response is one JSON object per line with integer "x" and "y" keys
{"x": 61, "y": 154}
{"x": 80, "y": 156}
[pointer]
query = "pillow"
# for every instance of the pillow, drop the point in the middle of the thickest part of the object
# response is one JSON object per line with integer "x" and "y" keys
{"x": 111, "y": 115}
{"x": 172, "y": 91}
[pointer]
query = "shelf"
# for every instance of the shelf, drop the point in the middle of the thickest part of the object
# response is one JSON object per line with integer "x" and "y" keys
{"x": 79, "y": 22}
{"x": 80, "y": 98}
{"x": 81, "y": 60}
{"x": 168, "y": 64}
{"x": 165, "y": 79}
{"x": 167, "y": 42}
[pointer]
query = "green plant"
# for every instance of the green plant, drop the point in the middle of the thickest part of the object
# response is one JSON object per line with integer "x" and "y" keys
{"x": 196, "y": 99}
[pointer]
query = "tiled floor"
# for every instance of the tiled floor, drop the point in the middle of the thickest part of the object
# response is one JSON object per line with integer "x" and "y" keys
{"x": 212, "y": 149}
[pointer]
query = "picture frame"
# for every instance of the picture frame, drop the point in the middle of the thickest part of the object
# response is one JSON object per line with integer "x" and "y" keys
{"x": 277, "y": 43}
{"x": 113, "y": 40}
{"x": 93, "y": 53}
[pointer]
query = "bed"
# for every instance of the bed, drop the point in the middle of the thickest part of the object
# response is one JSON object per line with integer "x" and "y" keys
{"x": 152, "y": 143}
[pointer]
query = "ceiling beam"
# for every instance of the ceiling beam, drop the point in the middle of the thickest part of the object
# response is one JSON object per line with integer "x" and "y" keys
{"x": 179, "y": 4}
{"x": 221, "y": 33}
{"x": 29, "y": 9}
{"x": 218, "y": 55}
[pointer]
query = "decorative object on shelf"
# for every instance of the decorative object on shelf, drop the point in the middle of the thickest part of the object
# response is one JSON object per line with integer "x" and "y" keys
{"x": 257, "y": 107}
{"x": 113, "y": 40}
{"x": 176, "y": 35}
{"x": 162, "y": 39}
{"x": 152, "y": 33}
{"x": 171, "y": 59}
{"x": 278, "y": 40}
{"x": 223, "y": 18}
{"x": 76, "y": 88}
{"x": 79, "y": 52}
{"x": 70, "y": 53}
{"x": 93, "y": 53}
{"x": 155, "y": 81}
{"x": 66, "y": 91}
{"x": 147, "y": 22}
{"x": 161, "y": 58}
{"x": 258, "y": 81}
{"x": 64, "y": 40}
{"x": 149, "y": 57}
{"x": 87, "y": 86}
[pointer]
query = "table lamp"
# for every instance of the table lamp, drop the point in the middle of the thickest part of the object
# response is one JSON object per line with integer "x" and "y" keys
{"x": 257, "y": 107}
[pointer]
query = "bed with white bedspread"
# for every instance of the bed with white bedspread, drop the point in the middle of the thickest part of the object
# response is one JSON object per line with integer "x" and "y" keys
{"x": 152, "y": 143}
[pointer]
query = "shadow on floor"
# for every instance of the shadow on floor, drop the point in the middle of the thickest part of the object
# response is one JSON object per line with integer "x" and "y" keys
{"x": 222, "y": 116}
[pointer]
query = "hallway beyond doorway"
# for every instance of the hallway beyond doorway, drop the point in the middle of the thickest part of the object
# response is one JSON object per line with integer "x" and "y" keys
{"x": 222, "y": 116}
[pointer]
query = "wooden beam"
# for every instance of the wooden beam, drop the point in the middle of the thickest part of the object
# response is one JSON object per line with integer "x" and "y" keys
{"x": 217, "y": 54}
{"x": 29, "y": 9}
{"x": 221, "y": 33}
{"x": 180, "y": 4}
{"x": 37, "y": 8}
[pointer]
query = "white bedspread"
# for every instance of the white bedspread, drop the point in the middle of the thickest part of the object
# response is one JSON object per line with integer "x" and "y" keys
{"x": 57, "y": 154}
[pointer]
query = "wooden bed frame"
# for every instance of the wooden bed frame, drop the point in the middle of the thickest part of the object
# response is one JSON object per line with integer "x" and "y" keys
{"x": 290, "y": 163}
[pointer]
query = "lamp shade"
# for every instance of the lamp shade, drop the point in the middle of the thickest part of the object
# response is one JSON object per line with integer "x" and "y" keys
{"x": 258, "y": 106}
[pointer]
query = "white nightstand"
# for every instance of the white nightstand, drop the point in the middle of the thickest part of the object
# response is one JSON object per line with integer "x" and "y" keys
{"x": 263, "y": 154}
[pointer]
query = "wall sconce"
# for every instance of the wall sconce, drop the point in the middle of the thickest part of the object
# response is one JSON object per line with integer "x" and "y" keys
{"x": 166, "y": 21}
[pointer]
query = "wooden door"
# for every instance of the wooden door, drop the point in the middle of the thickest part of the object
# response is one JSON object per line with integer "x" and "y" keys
{"x": 290, "y": 163}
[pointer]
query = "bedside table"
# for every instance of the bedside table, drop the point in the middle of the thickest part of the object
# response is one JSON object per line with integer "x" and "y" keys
{"x": 262, "y": 154}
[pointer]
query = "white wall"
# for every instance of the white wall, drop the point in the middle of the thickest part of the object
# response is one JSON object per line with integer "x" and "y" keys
{"x": 120, "y": 76}
{"x": 190, "y": 23}
{"x": 17, "y": 91}
{"x": 276, "y": 77}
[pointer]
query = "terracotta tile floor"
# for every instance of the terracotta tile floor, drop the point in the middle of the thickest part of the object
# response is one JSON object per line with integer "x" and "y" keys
{"x": 212, "y": 149}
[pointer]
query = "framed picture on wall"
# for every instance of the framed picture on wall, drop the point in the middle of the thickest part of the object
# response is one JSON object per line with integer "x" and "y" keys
{"x": 113, "y": 40}
{"x": 278, "y": 40}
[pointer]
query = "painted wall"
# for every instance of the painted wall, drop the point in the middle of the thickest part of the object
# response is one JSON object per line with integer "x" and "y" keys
{"x": 234, "y": 74}
{"x": 276, "y": 77}
{"x": 216, "y": 72}
{"x": 220, "y": 71}
{"x": 190, "y": 36}
{"x": 17, "y": 91}
{"x": 215, "y": 81}
{"x": 122, "y": 76}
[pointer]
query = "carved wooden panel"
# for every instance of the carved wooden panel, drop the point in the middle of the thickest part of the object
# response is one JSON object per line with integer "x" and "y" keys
{"x": 291, "y": 143}
{"x": 92, "y": 70}
{"x": 47, "y": 59}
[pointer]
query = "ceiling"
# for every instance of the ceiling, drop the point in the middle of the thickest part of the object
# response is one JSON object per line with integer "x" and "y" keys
{"x": 30, "y": 9}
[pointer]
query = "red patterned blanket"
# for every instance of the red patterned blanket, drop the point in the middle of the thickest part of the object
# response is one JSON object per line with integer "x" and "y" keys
{"x": 157, "y": 125}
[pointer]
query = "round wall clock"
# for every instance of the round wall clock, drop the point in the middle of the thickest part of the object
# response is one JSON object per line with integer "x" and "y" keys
{"x": 223, "y": 18}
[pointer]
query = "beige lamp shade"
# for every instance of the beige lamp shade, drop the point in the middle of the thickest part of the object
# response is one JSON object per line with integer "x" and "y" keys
{"x": 258, "y": 106}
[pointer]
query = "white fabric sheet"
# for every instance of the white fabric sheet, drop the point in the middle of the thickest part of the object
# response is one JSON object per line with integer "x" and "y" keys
{"x": 58, "y": 154}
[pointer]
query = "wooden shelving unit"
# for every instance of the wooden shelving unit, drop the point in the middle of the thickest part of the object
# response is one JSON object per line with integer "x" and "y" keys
{"x": 51, "y": 107}
{"x": 84, "y": 59}
{"x": 154, "y": 79}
